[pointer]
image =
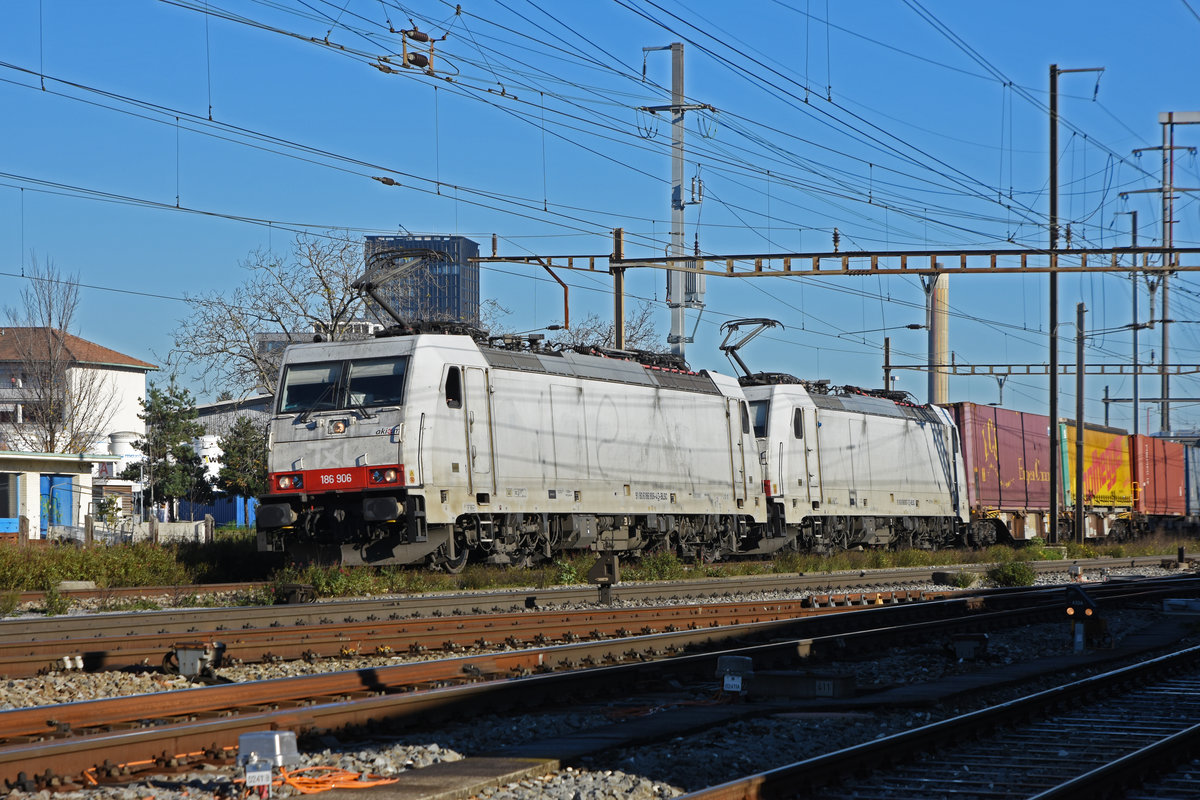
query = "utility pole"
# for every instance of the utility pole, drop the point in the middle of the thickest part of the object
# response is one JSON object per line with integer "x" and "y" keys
{"x": 1168, "y": 119}
{"x": 684, "y": 289}
{"x": 1133, "y": 242}
{"x": 1133, "y": 233}
{"x": 887, "y": 362}
{"x": 1053, "y": 532}
{"x": 1054, "y": 440}
{"x": 1080, "y": 528}
{"x": 618, "y": 274}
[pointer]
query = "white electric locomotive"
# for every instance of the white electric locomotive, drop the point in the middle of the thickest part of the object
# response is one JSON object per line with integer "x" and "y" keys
{"x": 854, "y": 468}
{"x": 428, "y": 446}
{"x": 432, "y": 443}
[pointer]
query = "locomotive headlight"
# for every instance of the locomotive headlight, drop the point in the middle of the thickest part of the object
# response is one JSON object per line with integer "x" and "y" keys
{"x": 285, "y": 482}
{"x": 337, "y": 426}
{"x": 386, "y": 475}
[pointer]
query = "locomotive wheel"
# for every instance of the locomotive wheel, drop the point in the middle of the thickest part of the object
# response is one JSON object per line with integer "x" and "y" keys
{"x": 462, "y": 554}
{"x": 458, "y": 564}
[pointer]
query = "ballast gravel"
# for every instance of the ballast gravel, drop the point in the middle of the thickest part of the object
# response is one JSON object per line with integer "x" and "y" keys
{"x": 663, "y": 770}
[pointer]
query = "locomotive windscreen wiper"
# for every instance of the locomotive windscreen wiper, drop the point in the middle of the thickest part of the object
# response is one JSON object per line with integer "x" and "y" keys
{"x": 354, "y": 405}
{"x": 313, "y": 407}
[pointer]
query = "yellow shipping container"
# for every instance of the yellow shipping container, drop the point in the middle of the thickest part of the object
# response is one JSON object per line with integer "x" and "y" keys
{"x": 1106, "y": 478}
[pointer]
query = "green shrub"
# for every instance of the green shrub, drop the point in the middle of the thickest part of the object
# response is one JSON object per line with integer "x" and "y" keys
{"x": 9, "y": 603}
{"x": 790, "y": 561}
{"x": 567, "y": 572}
{"x": 55, "y": 602}
{"x": 963, "y": 579}
{"x": 1012, "y": 573}
{"x": 661, "y": 565}
{"x": 478, "y": 576}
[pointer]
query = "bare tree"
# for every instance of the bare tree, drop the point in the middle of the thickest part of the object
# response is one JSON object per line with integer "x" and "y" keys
{"x": 234, "y": 341}
{"x": 596, "y": 331}
{"x": 61, "y": 403}
{"x": 491, "y": 316}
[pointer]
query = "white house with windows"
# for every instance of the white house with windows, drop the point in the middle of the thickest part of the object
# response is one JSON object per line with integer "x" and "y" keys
{"x": 68, "y": 410}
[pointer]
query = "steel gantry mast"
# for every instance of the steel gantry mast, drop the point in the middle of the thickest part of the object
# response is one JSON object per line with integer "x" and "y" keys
{"x": 684, "y": 289}
{"x": 1168, "y": 120}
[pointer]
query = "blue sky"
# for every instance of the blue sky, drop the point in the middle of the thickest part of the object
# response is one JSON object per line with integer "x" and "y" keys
{"x": 902, "y": 124}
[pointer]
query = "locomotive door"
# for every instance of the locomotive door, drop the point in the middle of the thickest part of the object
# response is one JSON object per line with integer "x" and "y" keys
{"x": 479, "y": 430}
{"x": 738, "y": 419}
{"x": 812, "y": 454}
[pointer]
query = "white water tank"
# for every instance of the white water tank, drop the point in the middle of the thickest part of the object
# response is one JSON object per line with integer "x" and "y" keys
{"x": 121, "y": 443}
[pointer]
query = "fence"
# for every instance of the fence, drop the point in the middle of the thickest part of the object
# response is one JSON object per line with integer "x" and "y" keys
{"x": 127, "y": 532}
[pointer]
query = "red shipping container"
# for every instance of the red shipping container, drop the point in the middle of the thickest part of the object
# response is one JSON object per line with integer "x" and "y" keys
{"x": 1158, "y": 475}
{"x": 1007, "y": 457}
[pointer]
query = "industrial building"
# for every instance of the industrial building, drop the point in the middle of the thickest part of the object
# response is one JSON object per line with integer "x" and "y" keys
{"x": 441, "y": 288}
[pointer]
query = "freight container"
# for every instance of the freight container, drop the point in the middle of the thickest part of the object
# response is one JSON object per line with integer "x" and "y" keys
{"x": 1007, "y": 456}
{"x": 1107, "y": 481}
{"x": 1192, "y": 464}
{"x": 1158, "y": 475}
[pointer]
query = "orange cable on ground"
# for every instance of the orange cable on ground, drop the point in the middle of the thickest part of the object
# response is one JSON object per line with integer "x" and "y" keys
{"x": 330, "y": 778}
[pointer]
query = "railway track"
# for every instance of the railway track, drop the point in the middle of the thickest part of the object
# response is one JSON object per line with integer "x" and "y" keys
{"x": 474, "y": 602}
{"x": 1084, "y": 739}
{"x": 527, "y": 597}
{"x": 203, "y": 724}
{"x": 387, "y": 626}
{"x": 111, "y": 646}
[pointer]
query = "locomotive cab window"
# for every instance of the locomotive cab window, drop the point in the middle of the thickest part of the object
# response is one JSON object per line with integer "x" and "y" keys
{"x": 332, "y": 385}
{"x": 376, "y": 382}
{"x": 759, "y": 412}
{"x": 745, "y": 417}
{"x": 798, "y": 423}
{"x": 310, "y": 387}
{"x": 454, "y": 387}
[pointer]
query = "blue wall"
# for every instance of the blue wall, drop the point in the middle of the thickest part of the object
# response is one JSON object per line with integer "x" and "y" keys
{"x": 226, "y": 510}
{"x": 58, "y": 501}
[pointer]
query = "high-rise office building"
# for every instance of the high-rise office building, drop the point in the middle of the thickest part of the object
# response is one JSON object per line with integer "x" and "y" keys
{"x": 443, "y": 286}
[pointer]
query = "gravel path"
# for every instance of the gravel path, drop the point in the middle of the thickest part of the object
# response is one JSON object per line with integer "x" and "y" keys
{"x": 685, "y": 764}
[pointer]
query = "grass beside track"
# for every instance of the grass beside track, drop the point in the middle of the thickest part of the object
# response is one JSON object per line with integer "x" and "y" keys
{"x": 233, "y": 557}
